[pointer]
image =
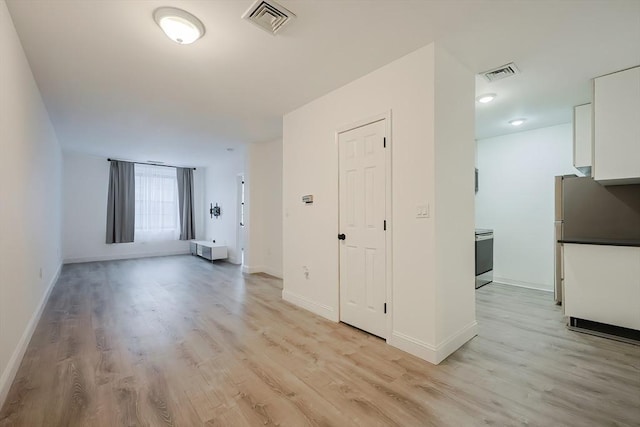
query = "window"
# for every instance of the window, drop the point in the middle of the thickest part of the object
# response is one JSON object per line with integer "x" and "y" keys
{"x": 157, "y": 215}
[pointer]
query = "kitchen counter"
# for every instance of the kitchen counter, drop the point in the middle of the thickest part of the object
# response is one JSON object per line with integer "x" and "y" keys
{"x": 602, "y": 285}
{"x": 606, "y": 242}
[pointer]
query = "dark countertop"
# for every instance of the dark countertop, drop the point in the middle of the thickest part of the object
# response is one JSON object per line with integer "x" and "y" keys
{"x": 606, "y": 242}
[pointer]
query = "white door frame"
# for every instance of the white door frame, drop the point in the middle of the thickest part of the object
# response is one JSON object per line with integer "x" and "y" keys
{"x": 241, "y": 231}
{"x": 388, "y": 207}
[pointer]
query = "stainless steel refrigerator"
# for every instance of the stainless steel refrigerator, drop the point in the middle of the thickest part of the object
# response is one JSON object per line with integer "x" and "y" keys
{"x": 559, "y": 235}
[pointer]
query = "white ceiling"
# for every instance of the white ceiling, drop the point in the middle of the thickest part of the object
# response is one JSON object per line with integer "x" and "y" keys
{"x": 115, "y": 86}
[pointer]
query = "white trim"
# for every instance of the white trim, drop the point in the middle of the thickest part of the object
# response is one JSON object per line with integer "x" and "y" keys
{"x": 413, "y": 346}
{"x": 522, "y": 284}
{"x": 312, "y": 306}
{"x": 364, "y": 122}
{"x": 125, "y": 256}
{"x": 431, "y": 353}
{"x": 389, "y": 215}
{"x": 262, "y": 269}
{"x": 252, "y": 269}
{"x": 9, "y": 374}
{"x": 272, "y": 272}
{"x": 386, "y": 117}
{"x": 242, "y": 232}
{"x": 457, "y": 340}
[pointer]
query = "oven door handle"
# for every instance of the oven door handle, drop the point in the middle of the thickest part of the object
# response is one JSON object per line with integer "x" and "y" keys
{"x": 483, "y": 237}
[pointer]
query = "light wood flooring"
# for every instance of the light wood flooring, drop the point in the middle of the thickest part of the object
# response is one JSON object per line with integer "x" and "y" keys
{"x": 180, "y": 341}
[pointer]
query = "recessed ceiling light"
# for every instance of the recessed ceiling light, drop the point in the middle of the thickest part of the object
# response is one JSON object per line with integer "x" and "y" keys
{"x": 230, "y": 149}
{"x": 517, "y": 122}
{"x": 179, "y": 25}
{"x": 487, "y": 97}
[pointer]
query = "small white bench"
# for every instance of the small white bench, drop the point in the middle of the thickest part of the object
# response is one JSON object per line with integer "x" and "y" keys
{"x": 208, "y": 250}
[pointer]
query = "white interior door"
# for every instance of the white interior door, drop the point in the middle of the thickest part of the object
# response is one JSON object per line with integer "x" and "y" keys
{"x": 362, "y": 227}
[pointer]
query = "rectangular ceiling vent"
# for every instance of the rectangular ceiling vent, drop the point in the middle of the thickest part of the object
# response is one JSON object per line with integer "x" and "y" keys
{"x": 501, "y": 72}
{"x": 268, "y": 15}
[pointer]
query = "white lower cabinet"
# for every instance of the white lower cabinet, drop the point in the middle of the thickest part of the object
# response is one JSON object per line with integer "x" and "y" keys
{"x": 208, "y": 250}
{"x": 602, "y": 284}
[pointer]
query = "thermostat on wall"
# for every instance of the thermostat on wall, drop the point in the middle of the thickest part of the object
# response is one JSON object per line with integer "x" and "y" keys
{"x": 307, "y": 199}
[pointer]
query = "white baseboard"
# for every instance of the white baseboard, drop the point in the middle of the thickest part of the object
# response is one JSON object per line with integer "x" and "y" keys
{"x": 272, "y": 272}
{"x": 251, "y": 269}
{"x": 430, "y": 353}
{"x": 522, "y": 284}
{"x": 314, "y": 307}
{"x": 125, "y": 256}
{"x": 457, "y": 340}
{"x": 261, "y": 269}
{"x": 9, "y": 374}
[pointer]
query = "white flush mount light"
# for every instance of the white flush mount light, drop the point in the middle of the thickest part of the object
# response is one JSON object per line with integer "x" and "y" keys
{"x": 517, "y": 122}
{"x": 179, "y": 25}
{"x": 485, "y": 98}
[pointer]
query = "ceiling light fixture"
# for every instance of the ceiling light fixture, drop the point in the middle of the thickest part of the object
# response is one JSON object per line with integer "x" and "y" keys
{"x": 517, "y": 122}
{"x": 487, "y": 97}
{"x": 179, "y": 25}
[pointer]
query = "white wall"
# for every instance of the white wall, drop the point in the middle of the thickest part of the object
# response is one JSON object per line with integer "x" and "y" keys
{"x": 516, "y": 200}
{"x": 432, "y": 163}
{"x": 85, "y": 188}
{"x": 264, "y": 204}
{"x": 220, "y": 184}
{"x": 454, "y": 198}
{"x": 30, "y": 192}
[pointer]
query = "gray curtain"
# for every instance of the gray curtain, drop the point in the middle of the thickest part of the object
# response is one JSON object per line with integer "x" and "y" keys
{"x": 121, "y": 211}
{"x": 185, "y": 199}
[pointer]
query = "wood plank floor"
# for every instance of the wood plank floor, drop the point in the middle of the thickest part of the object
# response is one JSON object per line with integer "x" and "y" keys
{"x": 179, "y": 341}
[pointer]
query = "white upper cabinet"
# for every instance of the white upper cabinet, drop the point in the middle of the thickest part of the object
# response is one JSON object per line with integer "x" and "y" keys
{"x": 582, "y": 138}
{"x": 616, "y": 127}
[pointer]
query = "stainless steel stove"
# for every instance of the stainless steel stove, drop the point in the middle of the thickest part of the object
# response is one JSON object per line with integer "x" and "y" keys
{"x": 484, "y": 257}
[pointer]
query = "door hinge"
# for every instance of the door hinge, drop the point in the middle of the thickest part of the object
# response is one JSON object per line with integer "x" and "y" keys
{"x": 385, "y": 225}
{"x": 384, "y": 142}
{"x": 385, "y": 308}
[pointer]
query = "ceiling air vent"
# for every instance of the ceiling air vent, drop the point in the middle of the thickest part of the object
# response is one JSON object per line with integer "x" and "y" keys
{"x": 501, "y": 72}
{"x": 268, "y": 15}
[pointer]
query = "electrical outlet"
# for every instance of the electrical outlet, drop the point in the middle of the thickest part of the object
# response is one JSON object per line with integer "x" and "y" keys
{"x": 422, "y": 211}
